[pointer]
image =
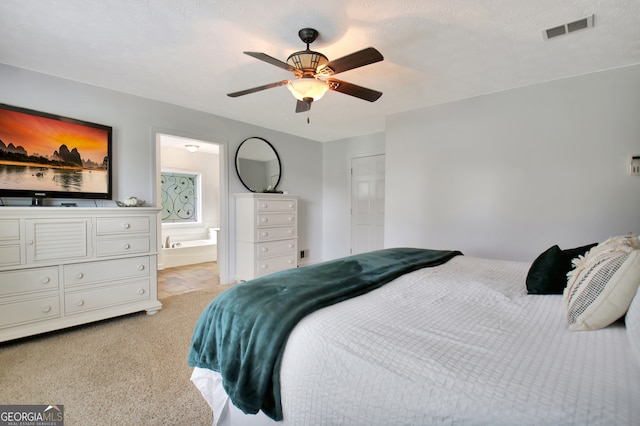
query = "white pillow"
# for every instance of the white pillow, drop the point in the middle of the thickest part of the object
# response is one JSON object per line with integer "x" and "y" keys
{"x": 630, "y": 240}
{"x": 633, "y": 326}
{"x": 601, "y": 287}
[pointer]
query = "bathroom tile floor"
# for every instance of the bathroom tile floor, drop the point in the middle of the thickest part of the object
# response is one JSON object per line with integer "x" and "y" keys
{"x": 183, "y": 279}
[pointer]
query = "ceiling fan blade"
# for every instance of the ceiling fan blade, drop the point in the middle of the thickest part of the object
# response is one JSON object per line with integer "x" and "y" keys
{"x": 353, "y": 90}
{"x": 257, "y": 89}
{"x": 271, "y": 60}
{"x": 302, "y": 106}
{"x": 355, "y": 60}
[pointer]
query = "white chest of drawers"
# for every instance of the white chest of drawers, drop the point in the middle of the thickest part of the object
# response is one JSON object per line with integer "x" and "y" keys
{"x": 266, "y": 234}
{"x": 61, "y": 267}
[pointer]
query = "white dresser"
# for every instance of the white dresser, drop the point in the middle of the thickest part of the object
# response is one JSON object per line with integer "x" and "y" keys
{"x": 65, "y": 266}
{"x": 266, "y": 234}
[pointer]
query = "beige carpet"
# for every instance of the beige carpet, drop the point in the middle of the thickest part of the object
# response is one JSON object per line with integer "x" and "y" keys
{"x": 130, "y": 370}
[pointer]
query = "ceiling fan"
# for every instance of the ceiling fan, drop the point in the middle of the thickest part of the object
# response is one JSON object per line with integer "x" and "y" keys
{"x": 313, "y": 73}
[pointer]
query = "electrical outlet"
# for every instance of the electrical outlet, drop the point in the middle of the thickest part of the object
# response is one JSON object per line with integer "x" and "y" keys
{"x": 634, "y": 166}
{"x": 303, "y": 254}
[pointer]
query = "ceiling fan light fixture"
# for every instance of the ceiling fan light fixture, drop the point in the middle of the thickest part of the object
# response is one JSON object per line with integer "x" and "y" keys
{"x": 307, "y": 60}
{"x": 307, "y": 87}
{"x": 314, "y": 73}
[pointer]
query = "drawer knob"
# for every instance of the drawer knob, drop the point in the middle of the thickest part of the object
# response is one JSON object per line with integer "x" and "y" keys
{"x": 265, "y": 219}
{"x": 46, "y": 280}
{"x": 80, "y": 302}
{"x": 264, "y": 249}
{"x": 126, "y": 246}
{"x": 141, "y": 291}
{"x": 290, "y": 261}
{"x": 265, "y": 266}
{"x": 264, "y": 234}
{"x": 290, "y": 231}
{"x": 30, "y": 242}
{"x": 79, "y": 275}
{"x": 46, "y": 309}
{"x": 126, "y": 226}
{"x": 290, "y": 219}
{"x": 265, "y": 205}
{"x": 290, "y": 245}
{"x": 140, "y": 267}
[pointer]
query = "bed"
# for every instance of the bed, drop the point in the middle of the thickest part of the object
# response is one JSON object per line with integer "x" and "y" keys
{"x": 461, "y": 341}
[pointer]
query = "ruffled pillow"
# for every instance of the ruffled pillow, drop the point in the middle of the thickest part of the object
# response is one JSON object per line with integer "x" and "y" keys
{"x": 603, "y": 283}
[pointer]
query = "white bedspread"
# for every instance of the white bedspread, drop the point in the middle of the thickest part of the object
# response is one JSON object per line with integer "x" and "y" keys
{"x": 460, "y": 343}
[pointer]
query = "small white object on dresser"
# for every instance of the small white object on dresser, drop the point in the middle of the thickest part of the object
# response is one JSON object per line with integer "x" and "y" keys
{"x": 266, "y": 234}
{"x": 61, "y": 267}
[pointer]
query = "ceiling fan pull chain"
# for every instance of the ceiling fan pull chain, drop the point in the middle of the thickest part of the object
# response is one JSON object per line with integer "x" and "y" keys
{"x": 308, "y": 102}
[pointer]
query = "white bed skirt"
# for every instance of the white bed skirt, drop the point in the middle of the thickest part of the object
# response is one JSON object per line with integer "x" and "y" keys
{"x": 209, "y": 383}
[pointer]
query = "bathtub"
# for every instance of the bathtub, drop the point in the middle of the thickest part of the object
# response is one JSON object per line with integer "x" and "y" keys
{"x": 189, "y": 252}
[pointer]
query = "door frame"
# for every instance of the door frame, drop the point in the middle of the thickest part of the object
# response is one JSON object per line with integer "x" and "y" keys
{"x": 223, "y": 235}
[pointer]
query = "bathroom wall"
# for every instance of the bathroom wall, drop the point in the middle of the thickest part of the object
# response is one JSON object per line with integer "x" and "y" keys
{"x": 208, "y": 165}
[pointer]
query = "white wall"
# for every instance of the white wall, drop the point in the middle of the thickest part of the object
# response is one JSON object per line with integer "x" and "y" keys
{"x": 336, "y": 207}
{"x": 509, "y": 174}
{"x": 302, "y": 175}
{"x": 135, "y": 121}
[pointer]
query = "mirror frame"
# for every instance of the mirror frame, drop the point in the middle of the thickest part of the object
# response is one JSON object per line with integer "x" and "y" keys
{"x": 274, "y": 189}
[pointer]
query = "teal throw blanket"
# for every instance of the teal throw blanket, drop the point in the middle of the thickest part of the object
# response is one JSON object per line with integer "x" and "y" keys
{"x": 242, "y": 333}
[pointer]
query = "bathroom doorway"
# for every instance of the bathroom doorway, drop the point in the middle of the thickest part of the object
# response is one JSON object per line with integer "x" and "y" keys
{"x": 191, "y": 191}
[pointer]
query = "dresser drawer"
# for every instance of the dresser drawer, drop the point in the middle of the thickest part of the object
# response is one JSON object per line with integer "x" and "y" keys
{"x": 122, "y": 225}
{"x": 107, "y": 270}
{"x": 112, "y": 247}
{"x": 10, "y": 255}
{"x": 28, "y": 281}
{"x": 275, "y": 264}
{"x": 276, "y": 219}
{"x": 32, "y": 310}
{"x": 98, "y": 298}
{"x": 9, "y": 229}
{"x": 276, "y": 205}
{"x": 276, "y": 233}
{"x": 275, "y": 248}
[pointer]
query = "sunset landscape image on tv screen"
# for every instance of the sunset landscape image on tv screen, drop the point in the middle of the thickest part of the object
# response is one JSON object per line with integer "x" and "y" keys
{"x": 39, "y": 153}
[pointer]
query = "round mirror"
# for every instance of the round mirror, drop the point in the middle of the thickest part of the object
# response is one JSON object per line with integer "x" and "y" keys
{"x": 258, "y": 165}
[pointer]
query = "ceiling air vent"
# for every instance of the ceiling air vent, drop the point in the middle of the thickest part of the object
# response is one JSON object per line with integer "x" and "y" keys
{"x": 570, "y": 27}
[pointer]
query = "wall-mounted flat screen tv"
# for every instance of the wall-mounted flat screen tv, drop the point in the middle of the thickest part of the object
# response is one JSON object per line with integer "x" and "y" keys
{"x": 44, "y": 155}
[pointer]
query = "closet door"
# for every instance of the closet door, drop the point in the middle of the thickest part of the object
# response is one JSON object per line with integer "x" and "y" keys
{"x": 367, "y": 204}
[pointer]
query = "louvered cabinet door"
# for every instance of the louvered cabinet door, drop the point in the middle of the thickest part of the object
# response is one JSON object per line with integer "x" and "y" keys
{"x": 50, "y": 240}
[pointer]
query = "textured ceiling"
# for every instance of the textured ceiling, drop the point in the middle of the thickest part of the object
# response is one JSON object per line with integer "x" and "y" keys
{"x": 189, "y": 52}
